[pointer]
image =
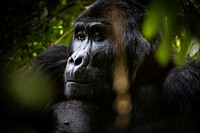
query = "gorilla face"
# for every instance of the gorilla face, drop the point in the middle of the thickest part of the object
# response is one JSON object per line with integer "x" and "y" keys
{"x": 102, "y": 35}
{"x": 88, "y": 72}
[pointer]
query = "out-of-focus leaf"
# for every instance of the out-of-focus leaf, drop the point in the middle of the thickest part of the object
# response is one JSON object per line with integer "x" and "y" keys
{"x": 34, "y": 90}
{"x": 152, "y": 21}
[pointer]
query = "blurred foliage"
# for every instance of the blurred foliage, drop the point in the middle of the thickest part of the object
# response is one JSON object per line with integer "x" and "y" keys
{"x": 34, "y": 89}
{"x": 29, "y": 26}
{"x": 179, "y": 22}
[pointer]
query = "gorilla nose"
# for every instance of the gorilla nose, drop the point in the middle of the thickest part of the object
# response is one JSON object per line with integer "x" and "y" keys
{"x": 78, "y": 59}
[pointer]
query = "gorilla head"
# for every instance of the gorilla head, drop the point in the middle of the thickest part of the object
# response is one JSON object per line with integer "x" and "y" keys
{"x": 107, "y": 32}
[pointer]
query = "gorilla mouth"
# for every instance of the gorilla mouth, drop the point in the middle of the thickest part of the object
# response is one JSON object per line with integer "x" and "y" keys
{"x": 80, "y": 82}
{"x": 79, "y": 90}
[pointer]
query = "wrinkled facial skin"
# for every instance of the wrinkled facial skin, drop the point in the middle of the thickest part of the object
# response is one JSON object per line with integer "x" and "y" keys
{"x": 88, "y": 71}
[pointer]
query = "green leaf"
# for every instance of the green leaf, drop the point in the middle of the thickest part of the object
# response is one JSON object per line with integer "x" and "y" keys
{"x": 184, "y": 49}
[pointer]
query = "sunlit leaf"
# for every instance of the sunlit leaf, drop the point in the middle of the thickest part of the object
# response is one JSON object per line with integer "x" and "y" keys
{"x": 183, "y": 50}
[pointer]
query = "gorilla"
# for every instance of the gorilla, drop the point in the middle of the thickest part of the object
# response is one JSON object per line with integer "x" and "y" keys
{"x": 107, "y": 42}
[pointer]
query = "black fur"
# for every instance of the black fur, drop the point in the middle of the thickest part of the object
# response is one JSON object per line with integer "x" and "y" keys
{"x": 164, "y": 100}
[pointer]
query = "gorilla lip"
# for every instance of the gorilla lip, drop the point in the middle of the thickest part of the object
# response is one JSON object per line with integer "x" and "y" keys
{"x": 80, "y": 82}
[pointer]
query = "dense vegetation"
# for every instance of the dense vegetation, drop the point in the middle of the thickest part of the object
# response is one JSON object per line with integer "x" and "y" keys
{"x": 28, "y": 27}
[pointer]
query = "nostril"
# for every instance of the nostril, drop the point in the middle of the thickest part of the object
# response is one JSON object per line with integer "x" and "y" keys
{"x": 71, "y": 60}
{"x": 78, "y": 61}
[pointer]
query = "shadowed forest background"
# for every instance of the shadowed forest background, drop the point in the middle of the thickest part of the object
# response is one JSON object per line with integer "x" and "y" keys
{"x": 28, "y": 27}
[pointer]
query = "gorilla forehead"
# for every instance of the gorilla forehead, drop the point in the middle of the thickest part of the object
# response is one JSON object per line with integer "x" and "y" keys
{"x": 122, "y": 15}
{"x": 104, "y": 9}
{"x": 101, "y": 11}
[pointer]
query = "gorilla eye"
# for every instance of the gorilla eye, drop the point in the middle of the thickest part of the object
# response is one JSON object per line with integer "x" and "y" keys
{"x": 98, "y": 36}
{"x": 80, "y": 36}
